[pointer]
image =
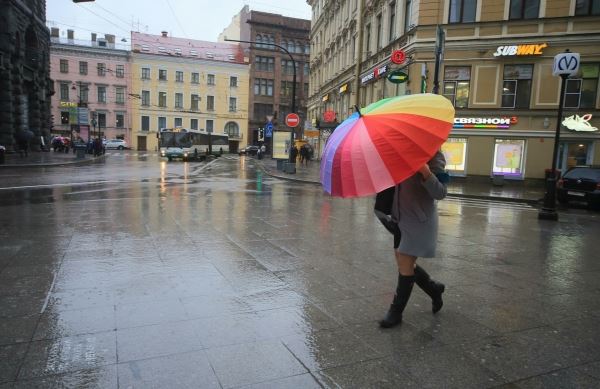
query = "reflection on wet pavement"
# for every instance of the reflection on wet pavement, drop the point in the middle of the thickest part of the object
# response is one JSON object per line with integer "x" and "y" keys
{"x": 215, "y": 275}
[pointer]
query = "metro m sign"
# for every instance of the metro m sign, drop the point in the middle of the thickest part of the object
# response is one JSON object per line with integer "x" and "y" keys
{"x": 565, "y": 63}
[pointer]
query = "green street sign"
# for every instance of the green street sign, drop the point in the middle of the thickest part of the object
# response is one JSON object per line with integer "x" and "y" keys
{"x": 397, "y": 77}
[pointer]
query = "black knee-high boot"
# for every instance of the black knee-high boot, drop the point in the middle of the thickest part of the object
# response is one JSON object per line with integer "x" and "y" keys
{"x": 432, "y": 288}
{"x": 403, "y": 291}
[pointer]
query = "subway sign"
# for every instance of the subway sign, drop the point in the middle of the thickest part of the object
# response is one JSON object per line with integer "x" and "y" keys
{"x": 520, "y": 50}
{"x": 485, "y": 122}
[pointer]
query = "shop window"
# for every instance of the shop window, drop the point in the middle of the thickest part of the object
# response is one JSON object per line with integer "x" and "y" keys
{"x": 64, "y": 117}
{"x": 581, "y": 93}
{"x": 508, "y": 157}
{"x": 455, "y": 152}
{"x": 456, "y": 85}
{"x": 587, "y": 7}
{"x": 524, "y": 9}
{"x": 516, "y": 87}
{"x": 462, "y": 11}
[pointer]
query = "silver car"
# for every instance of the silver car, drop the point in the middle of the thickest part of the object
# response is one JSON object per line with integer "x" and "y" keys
{"x": 118, "y": 144}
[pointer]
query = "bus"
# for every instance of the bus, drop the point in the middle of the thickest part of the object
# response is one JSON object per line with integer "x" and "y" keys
{"x": 181, "y": 143}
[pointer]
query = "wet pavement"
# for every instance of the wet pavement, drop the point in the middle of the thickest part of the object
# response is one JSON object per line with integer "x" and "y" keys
{"x": 219, "y": 275}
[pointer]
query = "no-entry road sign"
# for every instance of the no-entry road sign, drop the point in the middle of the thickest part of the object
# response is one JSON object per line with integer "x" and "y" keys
{"x": 292, "y": 119}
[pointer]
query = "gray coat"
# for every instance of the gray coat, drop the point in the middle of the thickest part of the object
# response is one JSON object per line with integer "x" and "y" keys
{"x": 415, "y": 210}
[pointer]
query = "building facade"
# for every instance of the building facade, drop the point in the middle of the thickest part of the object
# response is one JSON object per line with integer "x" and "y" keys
{"x": 496, "y": 69}
{"x": 25, "y": 85}
{"x": 91, "y": 80}
{"x": 187, "y": 83}
{"x": 271, "y": 69}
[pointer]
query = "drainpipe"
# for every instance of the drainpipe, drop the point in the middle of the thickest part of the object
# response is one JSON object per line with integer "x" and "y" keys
{"x": 359, "y": 26}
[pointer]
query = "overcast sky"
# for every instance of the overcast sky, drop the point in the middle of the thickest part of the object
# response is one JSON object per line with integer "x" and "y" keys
{"x": 194, "y": 19}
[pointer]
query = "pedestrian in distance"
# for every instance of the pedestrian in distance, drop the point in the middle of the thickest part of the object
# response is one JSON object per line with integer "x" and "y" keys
{"x": 414, "y": 210}
{"x": 294, "y": 153}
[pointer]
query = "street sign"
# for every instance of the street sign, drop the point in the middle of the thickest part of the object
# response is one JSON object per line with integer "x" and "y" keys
{"x": 397, "y": 77}
{"x": 398, "y": 57}
{"x": 269, "y": 130}
{"x": 292, "y": 119}
{"x": 565, "y": 63}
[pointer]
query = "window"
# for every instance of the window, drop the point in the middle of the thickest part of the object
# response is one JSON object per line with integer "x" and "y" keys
{"x": 524, "y": 9}
{"x": 209, "y": 125}
{"x": 462, "y": 11}
{"x": 178, "y": 76}
{"x": 265, "y": 64}
{"x": 101, "y": 120}
{"x": 120, "y": 95}
{"x": 194, "y": 124}
{"x": 64, "y": 117}
{"x": 162, "y": 122}
{"x": 262, "y": 110}
{"x": 455, "y": 152}
{"x": 392, "y": 22}
{"x": 287, "y": 88}
{"x": 178, "y": 122}
{"x": 587, "y": 7}
{"x": 368, "y": 41}
{"x": 581, "y": 93}
{"x": 210, "y": 103}
{"x": 263, "y": 87}
{"x": 120, "y": 71}
{"x": 120, "y": 120}
{"x": 162, "y": 99}
{"x": 102, "y": 94}
{"x": 407, "y": 15}
{"x": 508, "y": 157}
{"x": 162, "y": 74}
{"x": 210, "y": 79}
{"x": 233, "y": 81}
{"x": 178, "y": 100}
{"x": 64, "y": 91}
{"x": 145, "y": 97}
{"x": 379, "y": 31}
{"x": 83, "y": 67}
{"x": 64, "y": 66}
{"x": 101, "y": 69}
{"x": 456, "y": 85}
{"x": 83, "y": 93}
{"x": 306, "y": 68}
{"x": 194, "y": 103}
{"x": 232, "y": 104}
{"x": 305, "y": 89}
{"x": 516, "y": 88}
{"x": 232, "y": 129}
{"x": 145, "y": 73}
{"x": 287, "y": 66}
{"x": 145, "y": 123}
{"x": 195, "y": 78}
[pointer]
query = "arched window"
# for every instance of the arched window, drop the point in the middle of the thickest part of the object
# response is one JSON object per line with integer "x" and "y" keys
{"x": 271, "y": 39}
{"x": 232, "y": 129}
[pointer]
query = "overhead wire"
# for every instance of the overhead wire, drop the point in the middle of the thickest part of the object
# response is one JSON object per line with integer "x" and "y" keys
{"x": 176, "y": 19}
{"x": 102, "y": 17}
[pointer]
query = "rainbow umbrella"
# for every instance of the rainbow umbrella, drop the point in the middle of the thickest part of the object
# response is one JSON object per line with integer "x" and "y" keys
{"x": 384, "y": 143}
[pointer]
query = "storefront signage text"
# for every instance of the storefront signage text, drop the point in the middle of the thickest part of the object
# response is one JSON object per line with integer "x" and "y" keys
{"x": 484, "y": 122}
{"x": 343, "y": 88}
{"x": 506, "y": 51}
{"x": 65, "y": 104}
{"x": 376, "y": 73}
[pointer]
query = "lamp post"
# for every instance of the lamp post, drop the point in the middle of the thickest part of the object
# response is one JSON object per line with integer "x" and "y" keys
{"x": 79, "y": 105}
{"x": 293, "y": 83}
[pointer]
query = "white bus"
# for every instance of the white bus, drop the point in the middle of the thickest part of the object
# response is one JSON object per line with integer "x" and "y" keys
{"x": 191, "y": 144}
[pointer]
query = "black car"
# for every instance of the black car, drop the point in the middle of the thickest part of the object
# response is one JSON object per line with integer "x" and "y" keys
{"x": 249, "y": 150}
{"x": 580, "y": 183}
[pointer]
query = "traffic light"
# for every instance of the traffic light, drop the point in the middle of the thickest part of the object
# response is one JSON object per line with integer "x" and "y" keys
{"x": 261, "y": 134}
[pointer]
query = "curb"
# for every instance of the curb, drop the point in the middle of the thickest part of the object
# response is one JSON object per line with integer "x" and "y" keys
{"x": 75, "y": 162}
{"x": 270, "y": 172}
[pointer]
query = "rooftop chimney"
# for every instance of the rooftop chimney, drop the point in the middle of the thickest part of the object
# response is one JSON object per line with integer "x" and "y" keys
{"x": 164, "y": 33}
{"x": 70, "y": 35}
{"x": 54, "y": 32}
{"x": 93, "y": 37}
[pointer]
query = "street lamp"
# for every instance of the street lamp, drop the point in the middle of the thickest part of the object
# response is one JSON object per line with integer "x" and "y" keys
{"x": 82, "y": 88}
{"x": 293, "y": 84}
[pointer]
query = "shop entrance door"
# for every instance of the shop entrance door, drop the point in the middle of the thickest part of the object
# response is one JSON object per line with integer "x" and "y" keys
{"x": 574, "y": 154}
{"x": 141, "y": 141}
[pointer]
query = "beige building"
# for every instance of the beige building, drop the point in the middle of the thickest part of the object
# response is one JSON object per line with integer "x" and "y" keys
{"x": 186, "y": 83}
{"x": 496, "y": 69}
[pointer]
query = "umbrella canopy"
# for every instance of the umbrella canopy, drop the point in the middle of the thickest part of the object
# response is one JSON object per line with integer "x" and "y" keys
{"x": 24, "y": 135}
{"x": 384, "y": 144}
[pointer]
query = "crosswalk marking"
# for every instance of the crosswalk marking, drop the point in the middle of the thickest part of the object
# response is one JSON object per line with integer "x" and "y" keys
{"x": 485, "y": 203}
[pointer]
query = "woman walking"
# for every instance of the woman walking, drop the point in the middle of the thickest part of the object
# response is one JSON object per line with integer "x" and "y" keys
{"x": 414, "y": 209}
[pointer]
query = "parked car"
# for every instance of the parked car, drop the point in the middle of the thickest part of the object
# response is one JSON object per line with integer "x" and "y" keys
{"x": 249, "y": 150}
{"x": 118, "y": 144}
{"x": 580, "y": 183}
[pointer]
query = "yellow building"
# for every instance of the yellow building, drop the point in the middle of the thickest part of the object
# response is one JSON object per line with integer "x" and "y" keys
{"x": 186, "y": 83}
